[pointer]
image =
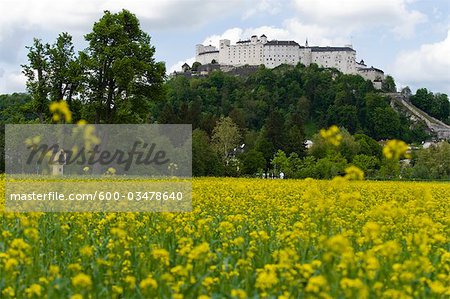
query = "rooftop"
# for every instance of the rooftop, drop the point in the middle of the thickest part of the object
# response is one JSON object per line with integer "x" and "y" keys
{"x": 282, "y": 42}
{"x": 331, "y": 49}
{"x": 370, "y": 69}
{"x": 207, "y": 52}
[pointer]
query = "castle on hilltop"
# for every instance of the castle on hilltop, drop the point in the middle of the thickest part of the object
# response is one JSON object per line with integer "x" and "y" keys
{"x": 257, "y": 51}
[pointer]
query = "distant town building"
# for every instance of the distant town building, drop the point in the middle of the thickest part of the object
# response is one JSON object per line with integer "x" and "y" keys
{"x": 260, "y": 51}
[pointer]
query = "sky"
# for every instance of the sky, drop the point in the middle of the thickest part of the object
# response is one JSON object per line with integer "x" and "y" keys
{"x": 408, "y": 39}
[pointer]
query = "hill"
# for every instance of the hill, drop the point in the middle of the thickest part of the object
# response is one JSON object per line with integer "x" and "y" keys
{"x": 307, "y": 97}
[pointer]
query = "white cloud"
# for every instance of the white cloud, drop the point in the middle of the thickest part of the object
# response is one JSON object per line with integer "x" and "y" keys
{"x": 430, "y": 64}
{"x": 177, "y": 66}
{"x": 291, "y": 29}
{"x": 79, "y": 15}
{"x": 351, "y": 15}
{"x": 12, "y": 82}
{"x": 271, "y": 7}
{"x": 233, "y": 34}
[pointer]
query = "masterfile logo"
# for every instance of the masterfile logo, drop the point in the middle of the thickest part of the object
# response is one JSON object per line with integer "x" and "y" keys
{"x": 112, "y": 168}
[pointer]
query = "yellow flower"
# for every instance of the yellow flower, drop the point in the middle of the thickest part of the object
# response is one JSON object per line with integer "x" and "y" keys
{"x": 438, "y": 288}
{"x": 87, "y": 251}
{"x": 33, "y": 290}
{"x": 117, "y": 289}
{"x": 208, "y": 282}
{"x": 266, "y": 279}
{"x": 60, "y": 109}
{"x": 371, "y": 230}
{"x": 82, "y": 280}
{"x": 8, "y": 292}
{"x": 239, "y": 293}
{"x": 317, "y": 284}
{"x": 148, "y": 282}
{"x": 338, "y": 244}
{"x": 395, "y": 150}
{"x": 76, "y": 296}
{"x": 332, "y": 135}
{"x": 354, "y": 173}
{"x": 53, "y": 270}
{"x": 131, "y": 281}
{"x": 19, "y": 244}
{"x": 199, "y": 252}
{"x": 11, "y": 263}
{"x": 161, "y": 255}
{"x": 354, "y": 288}
{"x": 75, "y": 267}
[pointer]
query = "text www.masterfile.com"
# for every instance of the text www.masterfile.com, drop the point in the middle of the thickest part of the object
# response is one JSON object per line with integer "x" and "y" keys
{"x": 98, "y": 195}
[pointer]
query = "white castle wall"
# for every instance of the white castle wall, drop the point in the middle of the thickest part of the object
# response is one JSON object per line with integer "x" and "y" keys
{"x": 343, "y": 59}
{"x": 277, "y": 53}
{"x": 257, "y": 51}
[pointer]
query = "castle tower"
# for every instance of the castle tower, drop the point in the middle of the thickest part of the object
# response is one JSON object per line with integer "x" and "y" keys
{"x": 199, "y": 49}
{"x": 224, "y": 43}
{"x": 263, "y": 39}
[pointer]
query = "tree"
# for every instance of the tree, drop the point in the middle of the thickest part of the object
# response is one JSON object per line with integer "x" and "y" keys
{"x": 343, "y": 116}
{"x": 205, "y": 160}
{"x": 406, "y": 91}
{"x": 295, "y": 140}
{"x": 38, "y": 77}
{"x": 252, "y": 162}
{"x": 441, "y": 107}
{"x": 388, "y": 84}
{"x": 368, "y": 146}
{"x": 347, "y": 148}
{"x": 423, "y": 99}
{"x": 66, "y": 71}
{"x": 280, "y": 162}
{"x": 434, "y": 162}
{"x": 195, "y": 66}
{"x": 53, "y": 73}
{"x": 386, "y": 123}
{"x": 366, "y": 163}
{"x": 331, "y": 166}
{"x": 225, "y": 136}
{"x": 122, "y": 75}
{"x": 275, "y": 130}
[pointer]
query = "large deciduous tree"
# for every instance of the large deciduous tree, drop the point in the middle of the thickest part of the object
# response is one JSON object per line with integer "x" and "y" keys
{"x": 122, "y": 74}
{"x": 53, "y": 73}
{"x": 66, "y": 73}
{"x": 225, "y": 136}
{"x": 37, "y": 72}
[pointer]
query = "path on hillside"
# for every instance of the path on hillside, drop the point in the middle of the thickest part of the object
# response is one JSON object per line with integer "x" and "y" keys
{"x": 441, "y": 129}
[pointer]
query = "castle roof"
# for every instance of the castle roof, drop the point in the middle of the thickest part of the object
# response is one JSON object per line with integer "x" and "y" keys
{"x": 207, "y": 52}
{"x": 281, "y": 43}
{"x": 243, "y": 41}
{"x": 263, "y": 35}
{"x": 367, "y": 69}
{"x": 331, "y": 49}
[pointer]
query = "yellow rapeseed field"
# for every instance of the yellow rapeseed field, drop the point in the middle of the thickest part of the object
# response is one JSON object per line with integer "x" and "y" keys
{"x": 246, "y": 238}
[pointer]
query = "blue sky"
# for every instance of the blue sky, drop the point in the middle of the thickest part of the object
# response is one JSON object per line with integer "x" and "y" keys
{"x": 408, "y": 39}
